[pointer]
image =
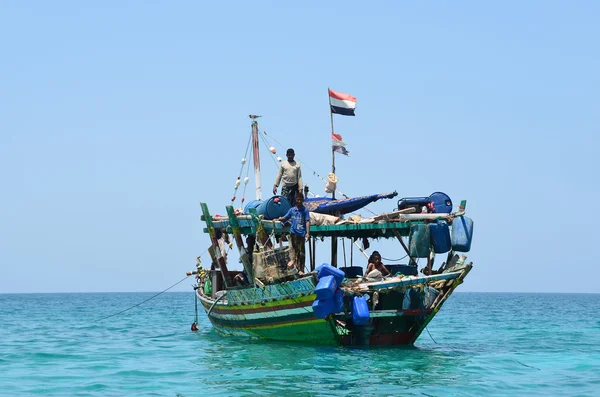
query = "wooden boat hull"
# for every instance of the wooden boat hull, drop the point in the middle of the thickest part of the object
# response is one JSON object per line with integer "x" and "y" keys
{"x": 283, "y": 312}
{"x": 284, "y": 320}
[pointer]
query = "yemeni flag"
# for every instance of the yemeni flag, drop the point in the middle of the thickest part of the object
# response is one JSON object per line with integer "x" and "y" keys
{"x": 337, "y": 145}
{"x": 343, "y": 104}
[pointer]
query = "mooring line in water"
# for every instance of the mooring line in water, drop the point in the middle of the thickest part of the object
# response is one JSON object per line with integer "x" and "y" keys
{"x": 427, "y": 329}
{"x": 214, "y": 303}
{"x": 141, "y": 303}
{"x": 528, "y": 366}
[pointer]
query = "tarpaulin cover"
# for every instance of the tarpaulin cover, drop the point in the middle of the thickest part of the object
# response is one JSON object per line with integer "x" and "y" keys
{"x": 325, "y": 205}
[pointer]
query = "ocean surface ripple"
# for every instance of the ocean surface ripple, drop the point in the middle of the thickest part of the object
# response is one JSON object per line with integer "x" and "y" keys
{"x": 480, "y": 344}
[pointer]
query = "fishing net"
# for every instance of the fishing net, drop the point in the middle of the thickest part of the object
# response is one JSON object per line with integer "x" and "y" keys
{"x": 271, "y": 265}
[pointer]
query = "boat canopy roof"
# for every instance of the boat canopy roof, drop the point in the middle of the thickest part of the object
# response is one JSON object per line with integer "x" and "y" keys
{"x": 359, "y": 230}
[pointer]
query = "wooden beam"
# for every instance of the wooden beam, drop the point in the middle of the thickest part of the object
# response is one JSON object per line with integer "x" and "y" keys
{"x": 261, "y": 233}
{"x": 399, "y": 237}
{"x": 220, "y": 259}
{"x": 237, "y": 235}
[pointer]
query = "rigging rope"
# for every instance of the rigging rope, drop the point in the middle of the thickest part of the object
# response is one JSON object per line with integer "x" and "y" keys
{"x": 242, "y": 170}
{"x": 394, "y": 260}
{"x": 264, "y": 141}
{"x": 141, "y": 303}
{"x": 304, "y": 164}
{"x": 245, "y": 184}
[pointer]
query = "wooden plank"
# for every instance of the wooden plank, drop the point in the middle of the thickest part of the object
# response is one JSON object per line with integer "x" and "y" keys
{"x": 261, "y": 233}
{"x": 392, "y": 215}
{"x": 237, "y": 235}
{"x": 400, "y": 282}
{"x": 314, "y": 251}
{"x": 399, "y": 238}
{"x": 220, "y": 260}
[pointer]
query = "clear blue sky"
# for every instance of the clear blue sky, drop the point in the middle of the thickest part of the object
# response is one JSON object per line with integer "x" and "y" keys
{"x": 118, "y": 118}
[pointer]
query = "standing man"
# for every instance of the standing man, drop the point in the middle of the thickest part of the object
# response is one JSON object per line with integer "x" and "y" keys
{"x": 299, "y": 231}
{"x": 290, "y": 176}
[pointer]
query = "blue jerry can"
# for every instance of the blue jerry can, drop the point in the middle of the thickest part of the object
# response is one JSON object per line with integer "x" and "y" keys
{"x": 419, "y": 240}
{"x": 328, "y": 270}
{"x": 338, "y": 301}
{"x": 440, "y": 237}
{"x": 360, "y": 310}
{"x": 326, "y": 288}
{"x": 322, "y": 308}
{"x": 462, "y": 234}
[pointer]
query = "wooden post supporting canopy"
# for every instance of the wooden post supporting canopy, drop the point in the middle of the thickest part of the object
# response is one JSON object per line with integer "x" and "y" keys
{"x": 220, "y": 259}
{"x": 237, "y": 235}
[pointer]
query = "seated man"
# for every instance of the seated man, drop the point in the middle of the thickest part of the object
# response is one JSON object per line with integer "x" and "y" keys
{"x": 375, "y": 264}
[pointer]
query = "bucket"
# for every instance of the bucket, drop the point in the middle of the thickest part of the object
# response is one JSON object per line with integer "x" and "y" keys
{"x": 252, "y": 204}
{"x": 274, "y": 207}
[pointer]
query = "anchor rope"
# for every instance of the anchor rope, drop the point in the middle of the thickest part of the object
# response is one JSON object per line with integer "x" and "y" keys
{"x": 427, "y": 329}
{"x": 141, "y": 303}
{"x": 196, "y": 306}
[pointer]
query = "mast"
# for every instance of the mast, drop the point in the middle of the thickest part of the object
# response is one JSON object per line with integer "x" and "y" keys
{"x": 256, "y": 155}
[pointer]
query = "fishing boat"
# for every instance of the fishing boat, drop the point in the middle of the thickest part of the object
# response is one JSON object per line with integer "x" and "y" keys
{"x": 327, "y": 304}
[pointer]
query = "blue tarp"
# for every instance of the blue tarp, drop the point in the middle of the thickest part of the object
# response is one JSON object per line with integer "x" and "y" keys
{"x": 325, "y": 205}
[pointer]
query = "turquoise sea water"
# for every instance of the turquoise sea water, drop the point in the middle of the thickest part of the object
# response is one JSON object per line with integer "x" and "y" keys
{"x": 485, "y": 345}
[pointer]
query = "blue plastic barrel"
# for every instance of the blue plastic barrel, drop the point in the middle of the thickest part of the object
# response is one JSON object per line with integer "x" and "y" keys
{"x": 441, "y": 203}
{"x": 274, "y": 207}
{"x": 440, "y": 237}
{"x": 252, "y": 204}
{"x": 462, "y": 234}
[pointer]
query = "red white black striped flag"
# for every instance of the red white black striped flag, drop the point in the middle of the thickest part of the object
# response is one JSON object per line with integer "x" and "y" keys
{"x": 343, "y": 104}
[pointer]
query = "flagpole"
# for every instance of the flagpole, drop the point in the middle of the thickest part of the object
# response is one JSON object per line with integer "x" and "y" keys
{"x": 332, "y": 151}
{"x": 333, "y": 237}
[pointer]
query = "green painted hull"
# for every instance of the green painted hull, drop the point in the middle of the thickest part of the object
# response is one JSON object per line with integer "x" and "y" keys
{"x": 283, "y": 312}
